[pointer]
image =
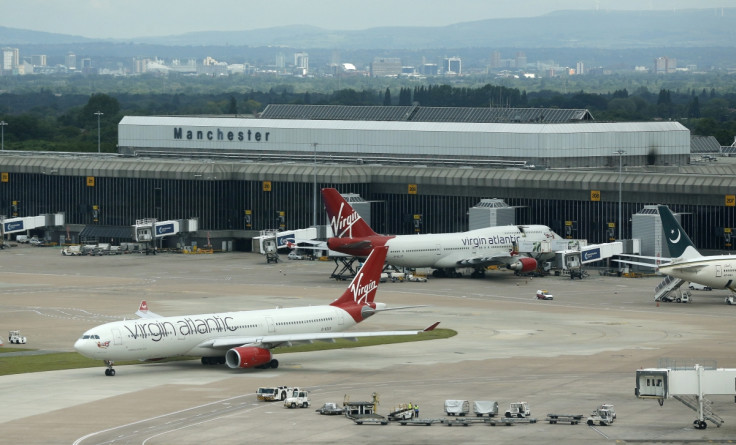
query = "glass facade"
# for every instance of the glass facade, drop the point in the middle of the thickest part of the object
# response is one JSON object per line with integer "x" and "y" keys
{"x": 222, "y": 205}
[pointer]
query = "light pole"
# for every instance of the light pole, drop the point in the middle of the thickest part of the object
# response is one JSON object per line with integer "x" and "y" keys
{"x": 620, "y": 154}
{"x": 99, "y": 113}
{"x": 314, "y": 216}
{"x": 2, "y": 135}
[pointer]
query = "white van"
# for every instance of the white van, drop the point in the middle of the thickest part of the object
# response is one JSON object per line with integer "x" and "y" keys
{"x": 696, "y": 286}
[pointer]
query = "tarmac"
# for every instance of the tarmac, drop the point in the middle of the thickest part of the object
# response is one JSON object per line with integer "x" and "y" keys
{"x": 566, "y": 356}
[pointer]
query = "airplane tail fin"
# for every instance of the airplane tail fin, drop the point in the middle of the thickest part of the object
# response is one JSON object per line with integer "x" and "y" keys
{"x": 344, "y": 220}
{"x": 362, "y": 290}
{"x": 678, "y": 242}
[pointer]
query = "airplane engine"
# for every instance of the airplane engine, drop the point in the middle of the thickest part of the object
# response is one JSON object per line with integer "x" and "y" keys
{"x": 523, "y": 265}
{"x": 247, "y": 357}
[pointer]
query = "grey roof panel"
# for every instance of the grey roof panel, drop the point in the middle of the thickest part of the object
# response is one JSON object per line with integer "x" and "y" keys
{"x": 425, "y": 114}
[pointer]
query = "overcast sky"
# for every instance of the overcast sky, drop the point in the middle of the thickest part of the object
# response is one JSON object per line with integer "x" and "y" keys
{"x": 143, "y": 18}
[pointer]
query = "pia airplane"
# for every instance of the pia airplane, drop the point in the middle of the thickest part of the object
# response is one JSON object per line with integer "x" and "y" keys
{"x": 716, "y": 271}
{"x": 240, "y": 339}
{"x": 444, "y": 252}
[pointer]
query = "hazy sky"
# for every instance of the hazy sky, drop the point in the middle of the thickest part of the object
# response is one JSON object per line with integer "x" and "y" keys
{"x": 141, "y": 18}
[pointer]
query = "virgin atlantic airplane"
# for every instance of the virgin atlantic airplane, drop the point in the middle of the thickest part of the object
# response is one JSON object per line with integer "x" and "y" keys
{"x": 444, "y": 252}
{"x": 240, "y": 339}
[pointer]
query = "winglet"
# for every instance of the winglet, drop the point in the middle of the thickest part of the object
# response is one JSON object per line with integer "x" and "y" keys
{"x": 143, "y": 311}
{"x": 431, "y": 328}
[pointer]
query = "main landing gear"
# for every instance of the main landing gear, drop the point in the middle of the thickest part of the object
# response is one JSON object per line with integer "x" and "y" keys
{"x": 109, "y": 371}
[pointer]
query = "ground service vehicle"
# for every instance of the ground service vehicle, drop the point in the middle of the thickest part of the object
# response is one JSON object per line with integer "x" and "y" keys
{"x": 14, "y": 337}
{"x": 518, "y": 409}
{"x": 601, "y": 416}
{"x": 270, "y": 394}
{"x": 330, "y": 409}
{"x": 457, "y": 407}
{"x": 543, "y": 294}
{"x": 696, "y": 286}
{"x": 483, "y": 407}
{"x": 402, "y": 412}
{"x": 299, "y": 399}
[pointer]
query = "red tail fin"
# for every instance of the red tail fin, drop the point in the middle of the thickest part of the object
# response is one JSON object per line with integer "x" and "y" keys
{"x": 344, "y": 220}
{"x": 362, "y": 290}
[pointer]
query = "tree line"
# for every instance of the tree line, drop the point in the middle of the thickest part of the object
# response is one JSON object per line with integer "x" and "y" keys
{"x": 50, "y": 122}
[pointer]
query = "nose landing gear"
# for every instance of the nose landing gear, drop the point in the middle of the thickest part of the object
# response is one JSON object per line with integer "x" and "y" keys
{"x": 109, "y": 371}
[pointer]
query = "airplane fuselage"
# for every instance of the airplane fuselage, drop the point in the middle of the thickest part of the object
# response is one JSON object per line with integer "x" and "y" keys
{"x": 154, "y": 338}
{"x": 446, "y": 250}
{"x": 718, "y": 271}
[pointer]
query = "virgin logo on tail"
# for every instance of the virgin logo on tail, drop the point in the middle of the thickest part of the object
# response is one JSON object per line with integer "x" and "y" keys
{"x": 360, "y": 292}
{"x": 342, "y": 224}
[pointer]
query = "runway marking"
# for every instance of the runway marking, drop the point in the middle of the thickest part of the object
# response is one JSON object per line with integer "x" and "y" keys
{"x": 78, "y": 441}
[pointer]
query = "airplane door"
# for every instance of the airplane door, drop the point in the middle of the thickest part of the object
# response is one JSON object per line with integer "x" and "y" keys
{"x": 439, "y": 249}
{"x": 718, "y": 270}
{"x": 117, "y": 339}
{"x": 271, "y": 325}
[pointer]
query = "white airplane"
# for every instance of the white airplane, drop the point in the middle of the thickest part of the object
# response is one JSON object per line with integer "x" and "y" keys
{"x": 444, "y": 252}
{"x": 240, "y": 339}
{"x": 715, "y": 271}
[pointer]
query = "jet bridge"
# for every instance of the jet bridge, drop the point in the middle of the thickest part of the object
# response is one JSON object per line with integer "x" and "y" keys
{"x": 689, "y": 386}
{"x": 25, "y": 223}
{"x": 148, "y": 230}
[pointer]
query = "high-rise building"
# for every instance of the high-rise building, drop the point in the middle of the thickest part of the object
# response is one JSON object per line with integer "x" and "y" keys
{"x": 301, "y": 63}
{"x": 38, "y": 60}
{"x": 495, "y": 59}
{"x": 71, "y": 61}
{"x": 10, "y": 58}
{"x": 580, "y": 68}
{"x": 386, "y": 67}
{"x": 453, "y": 66}
{"x": 665, "y": 65}
{"x": 521, "y": 60}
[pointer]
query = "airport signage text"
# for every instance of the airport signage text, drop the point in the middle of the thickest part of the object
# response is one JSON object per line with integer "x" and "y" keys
{"x": 218, "y": 134}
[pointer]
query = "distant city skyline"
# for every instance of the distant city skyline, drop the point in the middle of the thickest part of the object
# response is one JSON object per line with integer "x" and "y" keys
{"x": 136, "y": 18}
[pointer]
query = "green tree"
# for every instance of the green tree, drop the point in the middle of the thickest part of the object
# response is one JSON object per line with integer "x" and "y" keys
{"x": 233, "y": 107}
{"x": 387, "y": 98}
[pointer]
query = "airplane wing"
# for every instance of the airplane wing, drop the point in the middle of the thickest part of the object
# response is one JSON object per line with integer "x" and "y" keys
{"x": 655, "y": 258}
{"x": 484, "y": 261}
{"x": 694, "y": 268}
{"x": 637, "y": 263}
{"x": 271, "y": 341}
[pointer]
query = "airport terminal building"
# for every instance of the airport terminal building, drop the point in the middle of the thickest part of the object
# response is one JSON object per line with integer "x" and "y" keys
{"x": 421, "y": 168}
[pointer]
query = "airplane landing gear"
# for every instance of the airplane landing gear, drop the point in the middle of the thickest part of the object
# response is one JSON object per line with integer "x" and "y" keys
{"x": 109, "y": 371}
